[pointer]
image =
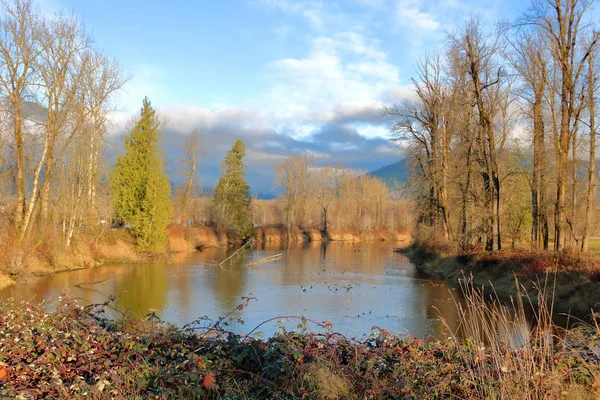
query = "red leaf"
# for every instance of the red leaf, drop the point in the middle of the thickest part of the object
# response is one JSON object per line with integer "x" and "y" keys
{"x": 208, "y": 380}
{"x": 3, "y": 373}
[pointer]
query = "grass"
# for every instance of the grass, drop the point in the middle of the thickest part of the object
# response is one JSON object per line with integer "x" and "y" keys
{"x": 527, "y": 356}
{"x": 594, "y": 247}
{"x": 76, "y": 352}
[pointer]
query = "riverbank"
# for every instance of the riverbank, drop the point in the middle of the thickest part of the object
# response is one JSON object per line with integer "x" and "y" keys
{"x": 571, "y": 282}
{"x": 75, "y": 352}
{"x": 186, "y": 238}
{"x": 51, "y": 254}
{"x": 110, "y": 246}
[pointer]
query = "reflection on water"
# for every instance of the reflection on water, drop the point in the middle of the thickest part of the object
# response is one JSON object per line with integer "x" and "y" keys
{"x": 353, "y": 286}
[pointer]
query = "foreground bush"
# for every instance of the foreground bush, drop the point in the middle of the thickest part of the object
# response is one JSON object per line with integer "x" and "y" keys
{"x": 76, "y": 352}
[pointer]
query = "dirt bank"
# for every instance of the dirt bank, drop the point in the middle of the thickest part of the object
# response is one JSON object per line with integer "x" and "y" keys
{"x": 573, "y": 282}
{"x": 187, "y": 238}
{"x": 279, "y": 234}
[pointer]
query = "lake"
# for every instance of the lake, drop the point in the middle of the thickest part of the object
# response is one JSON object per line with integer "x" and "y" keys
{"x": 353, "y": 286}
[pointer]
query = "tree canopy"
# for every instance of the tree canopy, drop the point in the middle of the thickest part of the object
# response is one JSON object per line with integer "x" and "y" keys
{"x": 232, "y": 198}
{"x": 140, "y": 187}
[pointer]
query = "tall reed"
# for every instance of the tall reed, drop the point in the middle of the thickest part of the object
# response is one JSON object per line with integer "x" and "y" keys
{"x": 515, "y": 350}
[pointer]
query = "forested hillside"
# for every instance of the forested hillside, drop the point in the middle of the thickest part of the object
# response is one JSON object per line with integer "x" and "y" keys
{"x": 394, "y": 175}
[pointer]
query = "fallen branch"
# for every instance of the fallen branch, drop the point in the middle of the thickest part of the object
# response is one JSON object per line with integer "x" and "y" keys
{"x": 275, "y": 257}
{"x": 248, "y": 243}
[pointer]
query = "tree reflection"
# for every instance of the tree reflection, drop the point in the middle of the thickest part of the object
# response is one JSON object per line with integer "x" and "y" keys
{"x": 142, "y": 288}
{"x": 228, "y": 280}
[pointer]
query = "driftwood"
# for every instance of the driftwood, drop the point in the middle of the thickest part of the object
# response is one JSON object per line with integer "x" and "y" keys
{"x": 248, "y": 244}
{"x": 274, "y": 257}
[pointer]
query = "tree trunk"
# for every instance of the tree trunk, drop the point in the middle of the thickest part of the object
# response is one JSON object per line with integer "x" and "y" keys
{"x": 573, "y": 218}
{"x": 465, "y": 204}
{"x": 538, "y": 173}
{"x": 19, "y": 147}
{"x": 591, "y": 189}
{"x": 444, "y": 185}
{"x": 562, "y": 164}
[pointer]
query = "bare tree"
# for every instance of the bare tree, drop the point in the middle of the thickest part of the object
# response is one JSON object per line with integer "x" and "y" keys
{"x": 478, "y": 54}
{"x": 323, "y": 190}
{"x": 48, "y": 64}
{"x": 424, "y": 124}
{"x": 62, "y": 39}
{"x": 100, "y": 78}
{"x": 562, "y": 24}
{"x": 592, "y": 86}
{"x": 529, "y": 58}
{"x": 190, "y": 164}
{"x": 293, "y": 175}
{"x": 19, "y": 49}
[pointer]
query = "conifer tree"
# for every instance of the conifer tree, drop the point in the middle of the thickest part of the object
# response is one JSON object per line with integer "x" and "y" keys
{"x": 232, "y": 199}
{"x": 140, "y": 187}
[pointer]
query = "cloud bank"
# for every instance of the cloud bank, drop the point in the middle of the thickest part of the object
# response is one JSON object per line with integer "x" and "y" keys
{"x": 325, "y": 96}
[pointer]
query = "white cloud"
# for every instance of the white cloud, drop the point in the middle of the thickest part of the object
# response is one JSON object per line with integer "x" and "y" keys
{"x": 410, "y": 14}
{"x": 373, "y": 131}
{"x": 341, "y": 76}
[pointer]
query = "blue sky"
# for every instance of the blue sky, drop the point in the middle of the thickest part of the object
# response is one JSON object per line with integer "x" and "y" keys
{"x": 284, "y": 76}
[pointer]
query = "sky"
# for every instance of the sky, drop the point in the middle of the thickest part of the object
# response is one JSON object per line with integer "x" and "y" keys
{"x": 284, "y": 76}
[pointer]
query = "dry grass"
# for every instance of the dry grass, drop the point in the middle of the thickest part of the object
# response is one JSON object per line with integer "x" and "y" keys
{"x": 326, "y": 384}
{"x": 179, "y": 244}
{"x": 517, "y": 352}
{"x": 5, "y": 281}
{"x": 118, "y": 250}
{"x": 191, "y": 238}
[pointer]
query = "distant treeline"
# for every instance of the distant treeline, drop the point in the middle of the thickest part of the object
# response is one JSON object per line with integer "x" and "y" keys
{"x": 323, "y": 198}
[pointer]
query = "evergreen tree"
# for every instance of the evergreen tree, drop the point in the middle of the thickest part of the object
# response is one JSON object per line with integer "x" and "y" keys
{"x": 140, "y": 187}
{"x": 232, "y": 199}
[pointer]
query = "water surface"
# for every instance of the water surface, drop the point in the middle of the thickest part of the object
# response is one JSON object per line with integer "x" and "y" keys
{"x": 352, "y": 286}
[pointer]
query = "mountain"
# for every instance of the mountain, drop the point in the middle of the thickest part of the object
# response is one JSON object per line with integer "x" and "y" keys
{"x": 394, "y": 175}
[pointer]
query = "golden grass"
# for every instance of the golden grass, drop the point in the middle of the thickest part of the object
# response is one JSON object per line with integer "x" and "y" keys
{"x": 179, "y": 244}
{"x": 5, "y": 281}
{"x": 517, "y": 346}
{"x": 118, "y": 250}
{"x": 327, "y": 384}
